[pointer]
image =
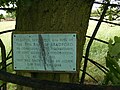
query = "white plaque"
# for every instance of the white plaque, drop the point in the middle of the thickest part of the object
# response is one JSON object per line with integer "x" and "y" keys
{"x": 44, "y": 52}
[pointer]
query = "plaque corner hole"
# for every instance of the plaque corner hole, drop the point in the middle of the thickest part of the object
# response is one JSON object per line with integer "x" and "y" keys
{"x": 74, "y": 35}
{"x": 73, "y": 68}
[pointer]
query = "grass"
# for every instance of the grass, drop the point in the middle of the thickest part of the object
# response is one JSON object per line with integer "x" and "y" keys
{"x": 98, "y": 50}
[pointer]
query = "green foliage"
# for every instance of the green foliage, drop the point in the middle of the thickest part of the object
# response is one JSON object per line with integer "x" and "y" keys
{"x": 4, "y": 3}
{"x": 1, "y": 16}
{"x": 113, "y": 13}
{"x": 1, "y": 82}
{"x": 95, "y": 14}
{"x": 11, "y": 15}
{"x": 112, "y": 62}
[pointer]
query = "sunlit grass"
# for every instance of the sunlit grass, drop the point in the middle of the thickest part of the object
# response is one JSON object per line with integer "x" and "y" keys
{"x": 6, "y": 38}
{"x": 106, "y": 31}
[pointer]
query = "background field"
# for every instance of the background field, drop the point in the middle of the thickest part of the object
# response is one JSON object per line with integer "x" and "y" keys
{"x": 6, "y": 38}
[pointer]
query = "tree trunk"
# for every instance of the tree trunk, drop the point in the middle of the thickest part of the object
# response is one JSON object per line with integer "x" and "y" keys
{"x": 55, "y": 15}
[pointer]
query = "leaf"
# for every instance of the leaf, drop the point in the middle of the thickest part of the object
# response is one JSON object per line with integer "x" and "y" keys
{"x": 1, "y": 82}
{"x": 112, "y": 59}
{"x": 117, "y": 39}
{"x": 114, "y": 50}
{"x": 5, "y": 3}
{"x": 110, "y": 42}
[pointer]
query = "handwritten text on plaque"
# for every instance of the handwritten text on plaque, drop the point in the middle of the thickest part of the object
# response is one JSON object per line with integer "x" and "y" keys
{"x": 44, "y": 52}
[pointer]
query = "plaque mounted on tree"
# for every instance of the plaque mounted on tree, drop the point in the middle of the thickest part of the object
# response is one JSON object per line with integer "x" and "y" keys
{"x": 50, "y": 52}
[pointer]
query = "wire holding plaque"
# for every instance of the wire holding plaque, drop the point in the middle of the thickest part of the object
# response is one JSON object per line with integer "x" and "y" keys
{"x": 44, "y": 52}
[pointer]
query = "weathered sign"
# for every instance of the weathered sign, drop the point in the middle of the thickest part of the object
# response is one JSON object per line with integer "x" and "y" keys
{"x": 44, "y": 52}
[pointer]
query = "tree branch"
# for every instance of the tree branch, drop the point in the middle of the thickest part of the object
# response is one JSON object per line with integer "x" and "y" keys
{"x": 11, "y": 9}
{"x": 49, "y": 85}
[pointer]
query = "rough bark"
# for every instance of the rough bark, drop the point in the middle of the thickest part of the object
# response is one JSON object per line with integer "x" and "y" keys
{"x": 55, "y": 15}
